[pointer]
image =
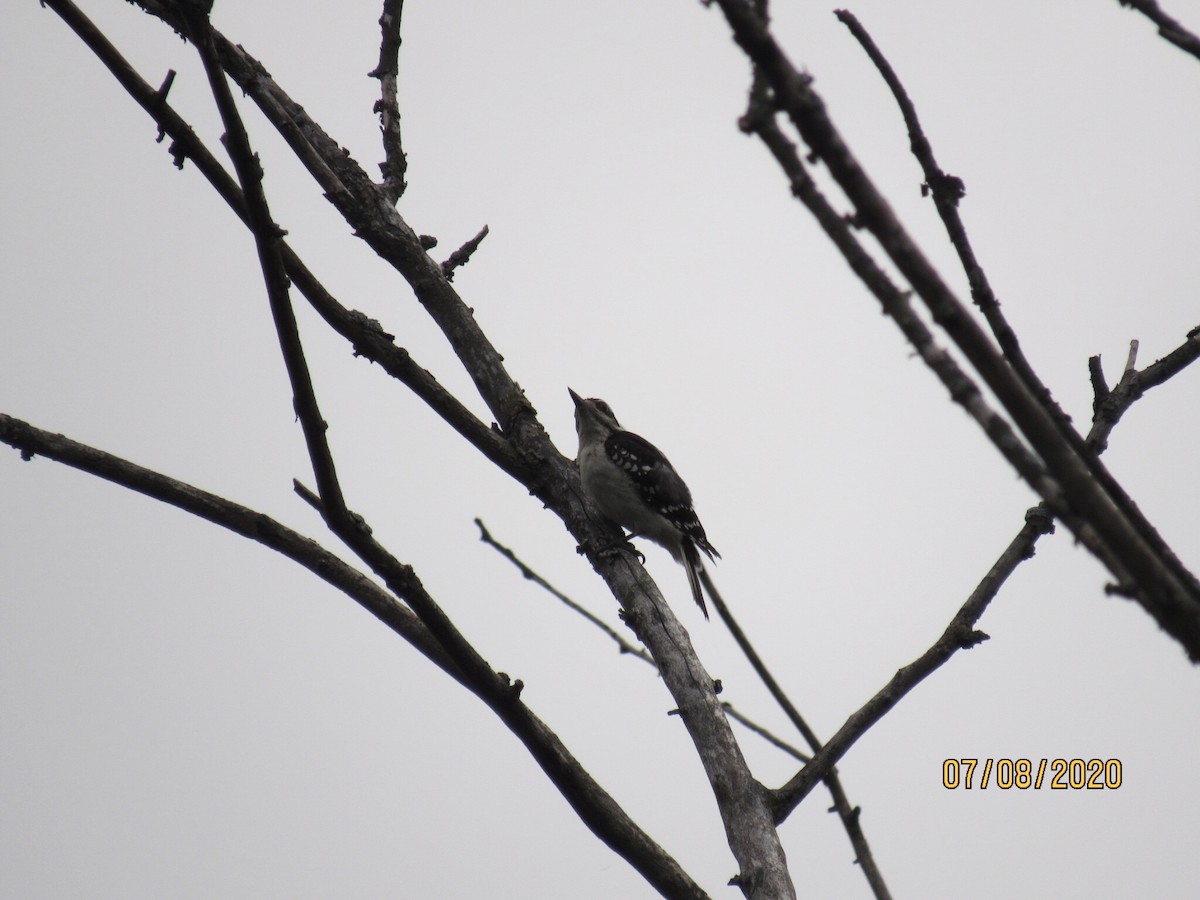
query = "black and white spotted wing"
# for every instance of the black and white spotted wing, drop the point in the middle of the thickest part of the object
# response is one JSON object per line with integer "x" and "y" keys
{"x": 659, "y": 484}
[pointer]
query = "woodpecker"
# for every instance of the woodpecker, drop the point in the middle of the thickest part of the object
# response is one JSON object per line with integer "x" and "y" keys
{"x": 635, "y": 485}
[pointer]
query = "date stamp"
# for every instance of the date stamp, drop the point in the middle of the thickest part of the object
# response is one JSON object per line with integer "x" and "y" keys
{"x": 1024, "y": 774}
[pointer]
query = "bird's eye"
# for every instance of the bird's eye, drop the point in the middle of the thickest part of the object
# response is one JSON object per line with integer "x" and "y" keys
{"x": 605, "y": 408}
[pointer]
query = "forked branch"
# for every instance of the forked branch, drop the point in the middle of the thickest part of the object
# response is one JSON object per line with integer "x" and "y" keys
{"x": 519, "y": 443}
{"x": 1049, "y": 456}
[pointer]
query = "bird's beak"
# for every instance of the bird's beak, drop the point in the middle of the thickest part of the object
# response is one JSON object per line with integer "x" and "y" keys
{"x": 574, "y": 396}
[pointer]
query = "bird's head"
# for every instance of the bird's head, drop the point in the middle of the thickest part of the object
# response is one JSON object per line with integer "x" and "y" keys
{"x": 592, "y": 414}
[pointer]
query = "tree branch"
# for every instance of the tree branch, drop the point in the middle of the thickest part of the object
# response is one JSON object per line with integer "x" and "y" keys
{"x": 1168, "y": 28}
{"x": 366, "y": 335}
{"x": 768, "y": 736}
{"x": 848, "y": 814}
{"x": 374, "y": 218}
{"x": 738, "y": 793}
{"x": 1111, "y": 405}
{"x": 1073, "y": 482}
{"x": 947, "y": 191}
{"x": 550, "y": 477}
{"x": 395, "y": 163}
{"x": 760, "y": 120}
{"x": 530, "y": 575}
{"x": 623, "y": 645}
{"x": 248, "y": 523}
{"x": 462, "y": 255}
{"x": 621, "y": 833}
{"x": 960, "y": 633}
{"x": 546, "y": 473}
{"x": 596, "y": 809}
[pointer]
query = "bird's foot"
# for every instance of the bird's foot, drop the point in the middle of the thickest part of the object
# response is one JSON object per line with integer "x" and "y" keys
{"x": 624, "y": 545}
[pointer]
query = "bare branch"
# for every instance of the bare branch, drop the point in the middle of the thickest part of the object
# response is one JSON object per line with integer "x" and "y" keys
{"x": 760, "y": 120}
{"x": 341, "y": 521}
{"x": 742, "y": 801}
{"x": 240, "y": 520}
{"x": 759, "y": 881}
{"x": 620, "y": 832}
{"x": 267, "y": 235}
{"x": 375, "y": 219}
{"x": 500, "y": 693}
{"x": 1110, "y": 405}
{"x": 1077, "y": 487}
{"x": 1131, "y": 359}
{"x": 1170, "y": 365}
{"x": 848, "y": 813}
{"x": 947, "y": 191}
{"x": 763, "y": 733}
{"x": 959, "y": 634}
{"x": 756, "y": 662}
{"x": 1169, "y": 28}
{"x": 367, "y": 336}
{"x": 395, "y": 163}
{"x": 462, "y": 255}
{"x": 623, "y": 645}
{"x": 160, "y": 100}
{"x": 748, "y": 826}
{"x": 1100, "y": 391}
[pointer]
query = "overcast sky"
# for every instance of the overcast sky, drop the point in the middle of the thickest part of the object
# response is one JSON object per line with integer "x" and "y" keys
{"x": 185, "y": 714}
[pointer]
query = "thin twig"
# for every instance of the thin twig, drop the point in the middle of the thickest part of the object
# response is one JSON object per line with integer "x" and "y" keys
{"x": 947, "y": 191}
{"x": 756, "y": 662}
{"x": 1078, "y": 488}
{"x": 1111, "y": 404}
{"x": 462, "y": 255}
{"x": 1168, "y": 28}
{"x": 749, "y": 831}
{"x": 160, "y": 99}
{"x": 847, "y": 812}
{"x": 960, "y": 633}
{"x": 597, "y": 809}
{"x": 367, "y": 337}
{"x": 533, "y": 460}
{"x": 1100, "y": 391}
{"x": 395, "y": 162}
{"x": 767, "y": 736}
{"x": 624, "y": 646}
{"x": 1132, "y": 385}
{"x": 240, "y": 520}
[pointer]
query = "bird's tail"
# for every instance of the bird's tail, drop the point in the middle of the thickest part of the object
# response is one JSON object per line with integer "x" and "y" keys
{"x": 691, "y": 564}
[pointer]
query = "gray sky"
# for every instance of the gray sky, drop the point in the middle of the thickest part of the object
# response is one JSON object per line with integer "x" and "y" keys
{"x": 187, "y": 715}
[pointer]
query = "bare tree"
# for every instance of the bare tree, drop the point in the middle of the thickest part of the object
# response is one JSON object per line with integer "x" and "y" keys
{"x": 976, "y": 357}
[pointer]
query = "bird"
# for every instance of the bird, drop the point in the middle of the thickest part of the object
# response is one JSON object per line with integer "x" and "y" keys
{"x": 631, "y": 482}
